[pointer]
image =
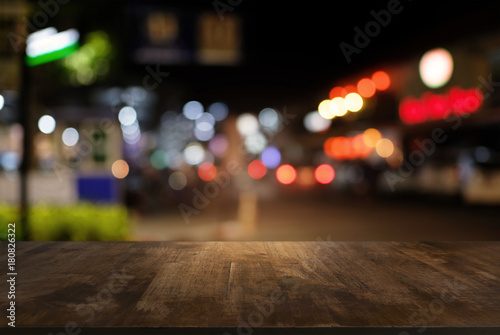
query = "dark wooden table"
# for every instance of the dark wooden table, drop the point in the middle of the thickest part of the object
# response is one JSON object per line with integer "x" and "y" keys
{"x": 312, "y": 288}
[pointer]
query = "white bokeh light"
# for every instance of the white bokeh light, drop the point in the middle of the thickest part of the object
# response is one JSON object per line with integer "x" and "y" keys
{"x": 205, "y": 122}
{"x": 269, "y": 118}
{"x": 247, "y": 124}
{"x": 255, "y": 143}
{"x": 192, "y": 110}
{"x": 70, "y": 136}
{"x": 194, "y": 153}
{"x": 47, "y": 124}
{"x": 436, "y": 67}
{"x": 127, "y": 116}
{"x": 204, "y": 135}
{"x": 315, "y": 123}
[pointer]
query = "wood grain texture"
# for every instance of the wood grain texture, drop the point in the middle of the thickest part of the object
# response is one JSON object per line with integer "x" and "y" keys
{"x": 335, "y": 287}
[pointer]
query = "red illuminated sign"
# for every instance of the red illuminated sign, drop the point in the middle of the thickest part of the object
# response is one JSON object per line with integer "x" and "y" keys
{"x": 430, "y": 106}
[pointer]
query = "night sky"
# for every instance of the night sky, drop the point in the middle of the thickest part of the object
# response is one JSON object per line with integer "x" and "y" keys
{"x": 291, "y": 48}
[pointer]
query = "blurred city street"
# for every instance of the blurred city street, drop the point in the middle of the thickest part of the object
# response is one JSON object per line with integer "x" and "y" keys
{"x": 337, "y": 219}
{"x": 228, "y": 120}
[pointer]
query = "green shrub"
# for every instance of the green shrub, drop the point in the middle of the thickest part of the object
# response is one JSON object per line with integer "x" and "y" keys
{"x": 79, "y": 222}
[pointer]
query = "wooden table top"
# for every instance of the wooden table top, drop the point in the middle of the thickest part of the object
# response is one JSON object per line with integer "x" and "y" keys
{"x": 256, "y": 287}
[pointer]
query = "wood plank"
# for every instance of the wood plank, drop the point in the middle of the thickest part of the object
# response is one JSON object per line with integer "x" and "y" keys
{"x": 257, "y": 286}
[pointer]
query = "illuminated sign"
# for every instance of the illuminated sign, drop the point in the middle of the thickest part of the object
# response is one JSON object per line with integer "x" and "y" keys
{"x": 47, "y": 45}
{"x": 430, "y": 106}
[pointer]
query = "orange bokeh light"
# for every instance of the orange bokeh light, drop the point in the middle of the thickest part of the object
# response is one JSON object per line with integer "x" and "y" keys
{"x": 337, "y": 92}
{"x": 207, "y": 171}
{"x": 120, "y": 169}
{"x": 286, "y": 174}
{"x": 381, "y": 80}
{"x": 324, "y": 174}
{"x": 256, "y": 169}
{"x": 366, "y": 88}
{"x": 341, "y": 148}
{"x": 327, "y": 146}
{"x": 359, "y": 148}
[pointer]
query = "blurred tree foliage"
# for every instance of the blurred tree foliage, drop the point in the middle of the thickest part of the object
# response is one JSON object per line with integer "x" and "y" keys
{"x": 80, "y": 222}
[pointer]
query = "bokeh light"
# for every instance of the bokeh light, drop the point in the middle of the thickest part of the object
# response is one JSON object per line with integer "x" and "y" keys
{"x": 324, "y": 109}
{"x": 371, "y": 136}
{"x": 207, "y": 171}
{"x": 218, "y": 145}
{"x": 353, "y": 102}
{"x": 366, "y": 88}
{"x": 324, "y": 174}
{"x": 337, "y": 106}
{"x": 339, "y": 148}
{"x": 256, "y": 143}
{"x": 159, "y": 159}
{"x": 247, "y": 124}
{"x": 70, "y": 137}
{"x": 47, "y": 124}
{"x": 436, "y": 67}
{"x": 127, "y": 116}
{"x": 286, "y": 174}
{"x": 384, "y": 147}
{"x": 269, "y": 118}
{"x": 218, "y": 110}
{"x": 192, "y": 110}
{"x": 204, "y": 135}
{"x": 359, "y": 148}
{"x": 381, "y": 80}
{"x": 271, "y": 157}
{"x": 2, "y": 101}
{"x": 119, "y": 169}
{"x": 350, "y": 89}
{"x": 194, "y": 153}
{"x": 205, "y": 122}
{"x": 337, "y": 92}
{"x": 256, "y": 169}
{"x": 177, "y": 180}
{"x": 314, "y": 123}
{"x": 10, "y": 161}
{"x": 132, "y": 133}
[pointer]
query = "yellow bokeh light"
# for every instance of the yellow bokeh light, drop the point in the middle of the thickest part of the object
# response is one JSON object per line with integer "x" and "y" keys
{"x": 353, "y": 102}
{"x": 120, "y": 169}
{"x": 384, "y": 148}
{"x": 324, "y": 110}
{"x": 371, "y": 136}
{"x": 337, "y": 106}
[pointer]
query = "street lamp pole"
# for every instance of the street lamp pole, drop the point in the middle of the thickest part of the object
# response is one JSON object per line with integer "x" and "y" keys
{"x": 25, "y": 120}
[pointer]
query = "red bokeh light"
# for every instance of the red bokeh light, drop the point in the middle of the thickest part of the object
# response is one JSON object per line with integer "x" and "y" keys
{"x": 324, "y": 174}
{"x": 435, "y": 107}
{"x": 337, "y": 92}
{"x": 349, "y": 89}
{"x": 256, "y": 169}
{"x": 207, "y": 171}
